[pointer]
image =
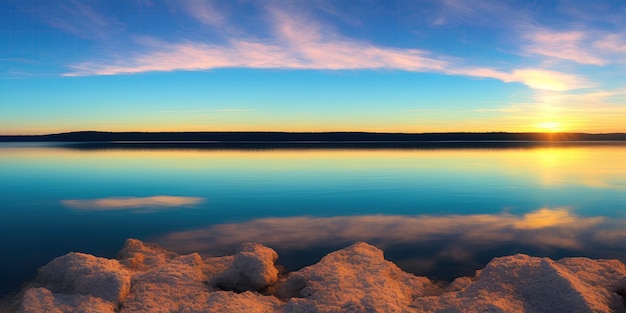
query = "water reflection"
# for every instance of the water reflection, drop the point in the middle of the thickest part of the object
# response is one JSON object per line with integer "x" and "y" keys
{"x": 442, "y": 247}
{"x": 132, "y": 203}
{"x": 596, "y": 168}
{"x": 590, "y": 166}
{"x": 435, "y": 210}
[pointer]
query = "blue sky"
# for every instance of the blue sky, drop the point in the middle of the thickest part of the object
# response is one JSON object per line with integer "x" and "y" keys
{"x": 319, "y": 65}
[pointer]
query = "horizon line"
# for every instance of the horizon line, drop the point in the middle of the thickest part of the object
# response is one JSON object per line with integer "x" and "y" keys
{"x": 315, "y": 132}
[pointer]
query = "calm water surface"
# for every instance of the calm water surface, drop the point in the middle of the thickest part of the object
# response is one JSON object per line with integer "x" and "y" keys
{"x": 441, "y": 213}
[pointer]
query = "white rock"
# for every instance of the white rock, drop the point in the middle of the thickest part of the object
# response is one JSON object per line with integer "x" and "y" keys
{"x": 521, "y": 283}
{"x": 354, "y": 279}
{"x": 79, "y": 273}
{"x": 177, "y": 286}
{"x": 607, "y": 273}
{"x": 38, "y": 300}
{"x": 252, "y": 269}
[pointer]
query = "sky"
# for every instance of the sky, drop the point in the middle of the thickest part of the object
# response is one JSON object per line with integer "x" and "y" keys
{"x": 318, "y": 65}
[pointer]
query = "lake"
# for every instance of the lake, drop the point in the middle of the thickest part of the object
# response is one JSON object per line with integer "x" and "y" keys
{"x": 440, "y": 212}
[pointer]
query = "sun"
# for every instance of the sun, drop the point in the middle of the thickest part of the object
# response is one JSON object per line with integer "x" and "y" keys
{"x": 550, "y": 127}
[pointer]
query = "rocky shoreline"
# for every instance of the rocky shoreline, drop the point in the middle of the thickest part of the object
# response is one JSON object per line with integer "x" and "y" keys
{"x": 147, "y": 278}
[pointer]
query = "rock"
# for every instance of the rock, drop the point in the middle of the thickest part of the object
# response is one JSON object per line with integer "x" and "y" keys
{"x": 37, "y": 300}
{"x": 607, "y": 273}
{"x": 137, "y": 255}
{"x": 176, "y": 286}
{"x": 79, "y": 273}
{"x": 215, "y": 265}
{"x": 521, "y": 283}
{"x": 252, "y": 269}
{"x": 354, "y": 279}
{"x": 459, "y": 283}
{"x": 249, "y": 302}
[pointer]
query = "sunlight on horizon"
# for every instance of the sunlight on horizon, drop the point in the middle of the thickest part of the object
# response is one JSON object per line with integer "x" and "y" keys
{"x": 551, "y": 127}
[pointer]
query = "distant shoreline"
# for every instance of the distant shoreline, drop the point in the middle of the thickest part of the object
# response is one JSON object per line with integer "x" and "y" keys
{"x": 319, "y": 138}
{"x": 312, "y": 145}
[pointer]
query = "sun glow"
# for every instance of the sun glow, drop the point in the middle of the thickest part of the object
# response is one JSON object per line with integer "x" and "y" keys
{"x": 551, "y": 127}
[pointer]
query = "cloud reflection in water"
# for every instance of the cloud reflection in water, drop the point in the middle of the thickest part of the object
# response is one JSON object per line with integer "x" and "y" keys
{"x": 132, "y": 203}
{"x": 443, "y": 247}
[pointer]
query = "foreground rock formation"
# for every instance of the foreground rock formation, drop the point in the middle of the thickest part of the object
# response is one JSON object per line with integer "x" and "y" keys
{"x": 147, "y": 278}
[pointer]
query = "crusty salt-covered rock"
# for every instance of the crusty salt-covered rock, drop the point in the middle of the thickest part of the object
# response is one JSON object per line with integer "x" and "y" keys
{"x": 180, "y": 285}
{"x": 248, "y": 302}
{"x": 610, "y": 274}
{"x": 38, "y": 300}
{"x": 252, "y": 269}
{"x": 137, "y": 255}
{"x": 176, "y": 286}
{"x": 79, "y": 273}
{"x": 215, "y": 265}
{"x": 354, "y": 279}
{"x": 520, "y": 283}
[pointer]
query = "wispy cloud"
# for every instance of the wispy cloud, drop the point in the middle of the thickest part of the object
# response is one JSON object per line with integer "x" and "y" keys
{"x": 78, "y": 18}
{"x": 535, "y": 78}
{"x": 204, "y": 11}
{"x": 302, "y": 43}
{"x": 591, "y": 46}
{"x": 564, "y": 45}
{"x": 292, "y": 49}
{"x": 592, "y": 99}
{"x": 132, "y": 203}
{"x": 448, "y": 237}
{"x": 614, "y": 43}
{"x": 550, "y": 80}
{"x": 475, "y": 12}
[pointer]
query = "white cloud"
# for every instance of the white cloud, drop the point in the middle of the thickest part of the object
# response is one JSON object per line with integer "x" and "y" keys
{"x": 125, "y": 203}
{"x": 550, "y": 80}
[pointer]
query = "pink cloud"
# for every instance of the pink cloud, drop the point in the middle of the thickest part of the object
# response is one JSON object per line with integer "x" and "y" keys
{"x": 612, "y": 43}
{"x": 300, "y": 43}
{"x": 571, "y": 46}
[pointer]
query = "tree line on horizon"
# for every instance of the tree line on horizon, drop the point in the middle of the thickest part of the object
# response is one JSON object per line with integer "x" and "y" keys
{"x": 95, "y": 136}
